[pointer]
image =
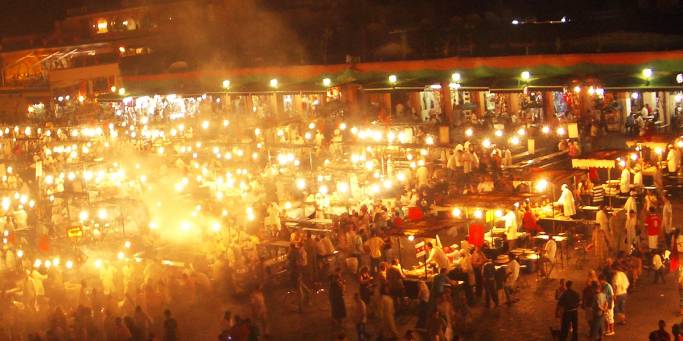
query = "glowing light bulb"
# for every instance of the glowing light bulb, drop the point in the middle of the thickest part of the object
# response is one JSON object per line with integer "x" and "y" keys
{"x": 541, "y": 185}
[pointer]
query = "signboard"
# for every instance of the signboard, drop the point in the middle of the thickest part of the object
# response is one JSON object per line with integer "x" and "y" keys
{"x": 573, "y": 130}
{"x": 74, "y": 232}
{"x": 420, "y": 249}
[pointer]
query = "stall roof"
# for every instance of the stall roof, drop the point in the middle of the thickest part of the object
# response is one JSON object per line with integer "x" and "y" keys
{"x": 617, "y": 71}
{"x": 489, "y": 200}
{"x": 600, "y": 159}
{"x": 658, "y": 141}
{"x": 427, "y": 228}
{"x": 553, "y": 176}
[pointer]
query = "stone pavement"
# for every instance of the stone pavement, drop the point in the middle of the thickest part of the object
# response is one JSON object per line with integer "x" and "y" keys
{"x": 529, "y": 319}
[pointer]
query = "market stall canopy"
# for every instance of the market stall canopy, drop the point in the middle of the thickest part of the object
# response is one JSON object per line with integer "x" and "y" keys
{"x": 489, "y": 200}
{"x": 652, "y": 142}
{"x": 427, "y": 228}
{"x": 601, "y": 159}
{"x": 554, "y": 176}
{"x": 613, "y": 70}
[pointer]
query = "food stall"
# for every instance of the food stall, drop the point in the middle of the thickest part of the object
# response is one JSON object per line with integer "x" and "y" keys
{"x": 607, "y": 160}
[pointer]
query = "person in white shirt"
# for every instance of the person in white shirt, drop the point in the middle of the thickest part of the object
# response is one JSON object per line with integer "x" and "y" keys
{"x": 422, "y": 175}
{"x": 511, "y": 228}
{"x": 630, "y": 204}
{"x": 437, "y": 256}
{"x": 273, "y": 219}
{"x": 620, "y": 284}
{"x": 511, "y": 275}
{"x": 450, "y": 164}
{"x": 673, "y": 159}
{"x": 658, "y": 267}
{"x": 550, "y": 250}
{"x": 467, "y": 161}
{"x": 630, "y": 226}
{"x": 507, "y": 157}
{"x": 548, "y": 257}
{"x": 667, "y": 215}
{"x": 567, "y": 201}
{"x": 602, "y": 218}
{"x": 458, "y": 156}
{"x": 625, "y": 181}
{"x": 637, "y": 179}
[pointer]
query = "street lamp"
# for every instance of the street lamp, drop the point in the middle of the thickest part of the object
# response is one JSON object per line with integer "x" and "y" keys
{"x": 647, "y": 73}
{"x": 226, "y": 84}
{"x": 327, "y": 82}
{"x": 525, "y": 75}
{"x": 274, "y": 83}
{"x": 679, "y": 78}
{"x": 455, "y": 77}
{"x": 393, "y": 79}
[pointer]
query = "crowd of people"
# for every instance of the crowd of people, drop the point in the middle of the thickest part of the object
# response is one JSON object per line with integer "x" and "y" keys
{"x": 354, "y": 264}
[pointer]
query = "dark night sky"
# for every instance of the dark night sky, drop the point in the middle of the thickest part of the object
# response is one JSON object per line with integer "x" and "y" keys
{"x": 26, "y": 16}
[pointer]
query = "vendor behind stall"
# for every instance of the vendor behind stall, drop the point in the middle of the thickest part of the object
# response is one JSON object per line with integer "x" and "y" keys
{"x": 625, "y": 181}
{"x": 673, "y": 159}
{"x": 437, "y": 256}
{"x": 510, "y": 219}
{"x": 567, "y": 201}
{"x": 529, "y": 222}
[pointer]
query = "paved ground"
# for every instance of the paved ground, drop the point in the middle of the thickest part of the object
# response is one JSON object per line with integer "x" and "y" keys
{"x": 530, "y": 319}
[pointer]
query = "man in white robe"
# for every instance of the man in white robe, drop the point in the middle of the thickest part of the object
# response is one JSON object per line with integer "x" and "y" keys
{"x": 673, "y": 159}
{"x": 631, "y": 204}
{"x": 625, "y": 181}
{"x": 567, "y": 201}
